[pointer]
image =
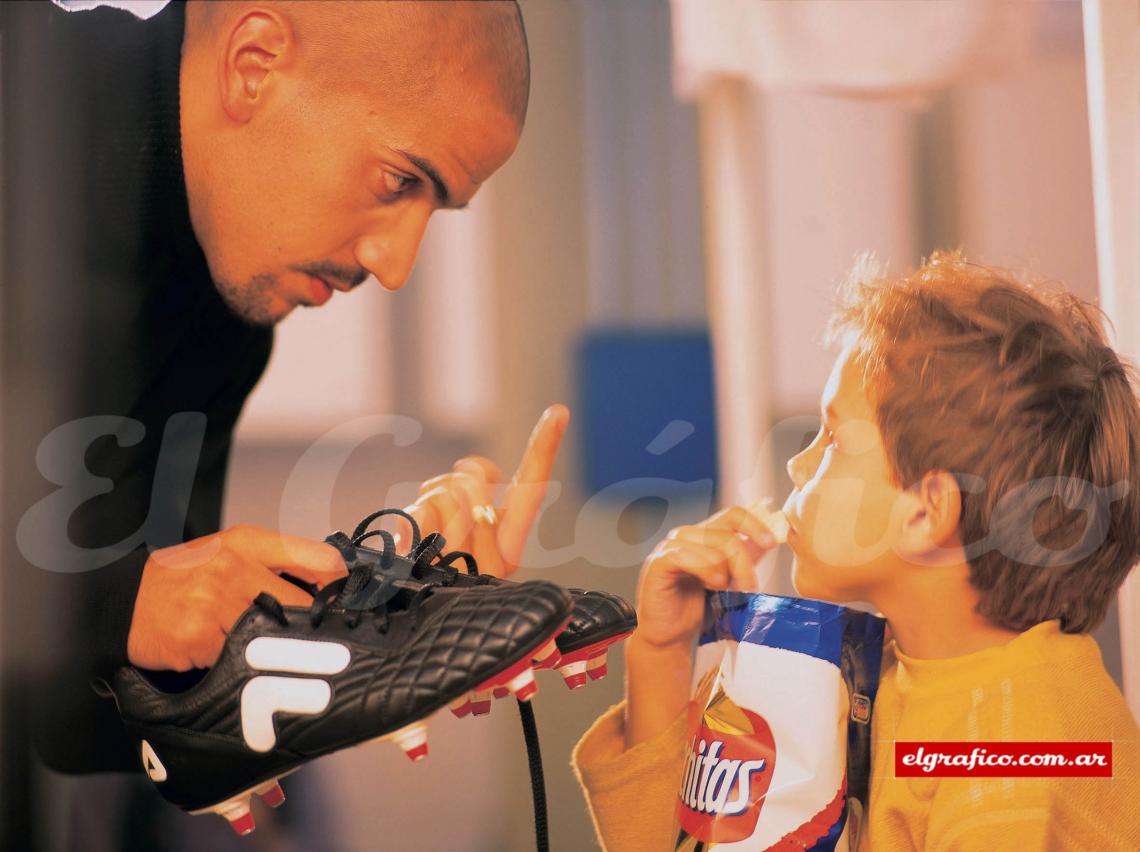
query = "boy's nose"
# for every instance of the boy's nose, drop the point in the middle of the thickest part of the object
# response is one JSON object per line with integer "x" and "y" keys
{"x": 797, "y": 468}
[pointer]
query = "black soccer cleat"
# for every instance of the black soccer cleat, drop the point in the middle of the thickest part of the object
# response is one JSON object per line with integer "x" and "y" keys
{"x": 372, "y": 659}
{"x": 599, "y": 619}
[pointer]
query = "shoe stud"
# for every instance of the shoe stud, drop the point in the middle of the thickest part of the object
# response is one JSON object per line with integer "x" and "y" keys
{"x": 523, "y": 685}
{"x": 271, "y": 794}
{"x": 461, "y": 706}
{"x": 481, "y": 702}
{"x": 547, "y": 657}
{"x": 413, "y": 740}
{"x": 237, "y": 814}
{"x": 574, "y": 674}
{"x": 596, "y": 668}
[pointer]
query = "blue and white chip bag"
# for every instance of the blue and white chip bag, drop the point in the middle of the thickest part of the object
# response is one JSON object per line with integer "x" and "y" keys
{"x": 780, "y": 722}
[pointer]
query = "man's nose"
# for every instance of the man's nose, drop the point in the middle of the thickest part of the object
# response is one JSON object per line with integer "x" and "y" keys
{"x": 389, "y": 251}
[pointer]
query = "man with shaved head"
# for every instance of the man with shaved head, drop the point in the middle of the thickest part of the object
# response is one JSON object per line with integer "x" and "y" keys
{"x": 184, "y": 183}
{"x": 319, "y": 137}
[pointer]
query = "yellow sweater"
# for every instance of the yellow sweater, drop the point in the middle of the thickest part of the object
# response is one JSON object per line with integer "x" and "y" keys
{"x": 1044, "y": 685}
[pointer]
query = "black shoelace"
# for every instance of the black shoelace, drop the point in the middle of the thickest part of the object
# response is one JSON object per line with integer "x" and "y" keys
{"x": 341, "y": 595}
{"x": 424, "y": 552}
{"x": 537, "y": 782}
{"x": 428, "y": 551}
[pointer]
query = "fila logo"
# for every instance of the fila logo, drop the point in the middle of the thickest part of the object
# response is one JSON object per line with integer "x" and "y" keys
{"x": 155, "y": 771}
{"x": 265, "y": 695}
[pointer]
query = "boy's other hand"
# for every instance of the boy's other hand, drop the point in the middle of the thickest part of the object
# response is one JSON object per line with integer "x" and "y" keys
{"x": 718, "y": 553}
{"x": 191, "y": 594}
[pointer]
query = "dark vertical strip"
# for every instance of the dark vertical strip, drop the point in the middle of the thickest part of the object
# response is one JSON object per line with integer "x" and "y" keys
{"x": 936, "y": 183}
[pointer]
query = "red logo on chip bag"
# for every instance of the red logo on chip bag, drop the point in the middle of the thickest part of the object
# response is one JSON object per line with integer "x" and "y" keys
{"x": 727, "y": 774}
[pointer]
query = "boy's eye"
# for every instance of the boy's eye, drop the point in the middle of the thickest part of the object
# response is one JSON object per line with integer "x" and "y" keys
{"x": 811, "y": 437}
{"x": 807, "y": 440}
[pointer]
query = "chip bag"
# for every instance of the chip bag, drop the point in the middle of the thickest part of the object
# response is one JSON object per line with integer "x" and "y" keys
{"x": 780, "y": 723}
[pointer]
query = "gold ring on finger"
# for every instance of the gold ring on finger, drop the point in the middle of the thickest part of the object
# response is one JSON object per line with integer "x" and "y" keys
{"x": 485, "y": 515}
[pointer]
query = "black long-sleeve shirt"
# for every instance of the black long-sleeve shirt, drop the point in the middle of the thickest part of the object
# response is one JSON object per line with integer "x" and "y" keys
{"x": 120, "y": 357}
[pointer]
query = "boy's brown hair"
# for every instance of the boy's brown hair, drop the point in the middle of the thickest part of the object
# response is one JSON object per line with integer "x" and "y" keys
{"x": 1015, "y": 391}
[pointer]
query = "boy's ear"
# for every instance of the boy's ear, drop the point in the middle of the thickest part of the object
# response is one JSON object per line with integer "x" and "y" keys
{"x": 930, "y": 522}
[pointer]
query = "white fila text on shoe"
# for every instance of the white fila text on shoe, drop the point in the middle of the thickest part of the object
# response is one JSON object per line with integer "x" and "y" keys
{"x": 265, "y": 695}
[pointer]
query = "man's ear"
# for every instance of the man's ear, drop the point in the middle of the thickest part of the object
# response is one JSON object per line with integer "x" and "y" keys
{"x": 933, "y": 507}
{"x": 253, "y": 48}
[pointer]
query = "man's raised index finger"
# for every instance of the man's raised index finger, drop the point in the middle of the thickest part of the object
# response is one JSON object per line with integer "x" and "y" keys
{"x": 542, "y": 447}
{"x": 528, "y": 487}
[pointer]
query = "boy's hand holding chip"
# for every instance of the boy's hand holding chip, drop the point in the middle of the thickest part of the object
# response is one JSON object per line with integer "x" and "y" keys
{"x": 719, "y": 553}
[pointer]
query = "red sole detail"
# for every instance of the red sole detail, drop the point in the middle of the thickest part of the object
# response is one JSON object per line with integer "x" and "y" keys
{"x": 243, "y": 825}
{"x": 275, "y": 798}
{"x": 506, "y": 676}
{"x": 595, "y": 650}
{"x": 498, "y": 683}
{"x": 551, "y": 662}
{"x": 417, "y": 753}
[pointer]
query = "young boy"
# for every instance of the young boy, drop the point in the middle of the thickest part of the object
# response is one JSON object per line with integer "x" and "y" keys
{"x": 975, "y": 479}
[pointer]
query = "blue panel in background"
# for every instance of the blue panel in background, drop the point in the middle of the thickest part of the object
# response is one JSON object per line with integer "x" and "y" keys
{"x": 646, "y": 408}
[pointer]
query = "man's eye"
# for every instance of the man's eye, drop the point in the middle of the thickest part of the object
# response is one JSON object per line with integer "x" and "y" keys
{"x": 396, "y": 183}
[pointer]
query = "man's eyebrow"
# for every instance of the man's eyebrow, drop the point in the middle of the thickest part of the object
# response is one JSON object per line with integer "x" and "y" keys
{"x": 442, "y": 193}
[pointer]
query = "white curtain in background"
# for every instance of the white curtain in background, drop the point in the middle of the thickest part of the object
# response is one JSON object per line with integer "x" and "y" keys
{"x": 330, "y": 365}
{"x": 795, "y": 183}
{"x": 1112, "y": 61}
{"x": 873, "y": 48}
